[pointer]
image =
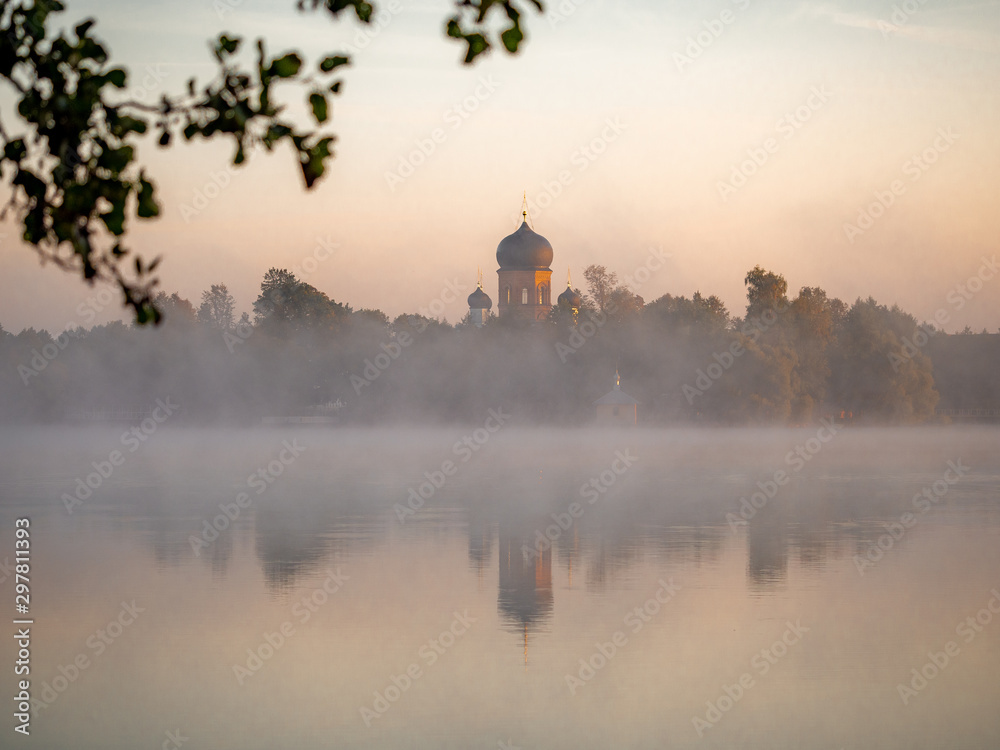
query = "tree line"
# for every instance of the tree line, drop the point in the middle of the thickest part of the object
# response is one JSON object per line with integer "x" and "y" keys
{"x": 785, "y": 360}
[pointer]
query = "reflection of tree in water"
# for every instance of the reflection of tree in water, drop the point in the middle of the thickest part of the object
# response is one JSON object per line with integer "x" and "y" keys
{"x": 169, "y": 532}
{"x": 300, "y": 532}
{"x": 767, "y": 551}
{"x": 219, "y": 553}
{"x": 169, "y": 539}
{"x": 292, "y": 543}
{"x": 812, "y": 546}
{"x": 285, "y": 554}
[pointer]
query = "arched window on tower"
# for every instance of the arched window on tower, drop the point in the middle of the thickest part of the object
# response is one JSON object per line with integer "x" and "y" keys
{"x": 506, "y": 293}
{"x": 524, "y": 296}
{"x": 543, "y": 295}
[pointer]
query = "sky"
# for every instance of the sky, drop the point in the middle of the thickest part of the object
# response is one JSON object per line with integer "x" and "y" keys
{"x": 846, "y": 145}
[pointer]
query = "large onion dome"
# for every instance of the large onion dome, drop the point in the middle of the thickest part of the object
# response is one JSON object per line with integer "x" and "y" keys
{"x": 524, "y": 249}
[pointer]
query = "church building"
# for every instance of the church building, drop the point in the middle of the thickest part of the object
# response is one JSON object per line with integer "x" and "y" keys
{"x": 525, "y": 279}
{"x": 524, "y": 282}
{"x": 617, "y": 408}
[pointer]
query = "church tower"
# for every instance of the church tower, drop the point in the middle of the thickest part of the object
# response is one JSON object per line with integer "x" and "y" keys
{"x": 525, "y": 279}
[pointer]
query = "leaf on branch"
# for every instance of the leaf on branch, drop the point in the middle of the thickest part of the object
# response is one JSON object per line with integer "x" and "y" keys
{"x": 334, "y": 61}
{"x": 15, "y": 150}
{"x": 116, "y": 77}
{"x": 477, "y": 34}
{"x": 225, "y": 47}
{"x": 114, "y": 219}
{"x": 512, "y": 37}
{"x": 318, "y": 103}
{"x": 148, "y": 207}
{"x": 81, "y": 29}
{"x": 314, "y": 160}
{"x": 362, "y": 8}
{"x": 32, "y": 185}
{"x": 286, "y": 66}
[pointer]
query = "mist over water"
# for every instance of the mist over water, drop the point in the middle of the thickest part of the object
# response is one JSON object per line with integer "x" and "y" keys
{"x": 461, "y": 587}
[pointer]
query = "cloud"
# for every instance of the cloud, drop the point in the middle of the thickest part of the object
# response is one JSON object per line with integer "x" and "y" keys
{"x": 898, "y": 22}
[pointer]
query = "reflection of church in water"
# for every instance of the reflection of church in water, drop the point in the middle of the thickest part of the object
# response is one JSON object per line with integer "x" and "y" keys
{"x": 524, "y": 284}
{"x": 524, "y": 589}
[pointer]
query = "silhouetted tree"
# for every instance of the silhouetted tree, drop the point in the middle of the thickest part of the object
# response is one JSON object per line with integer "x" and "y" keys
{"x": 218, "y": 308}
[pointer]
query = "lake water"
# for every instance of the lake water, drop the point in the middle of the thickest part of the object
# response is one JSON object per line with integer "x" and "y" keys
{"x": 337, "y": 610}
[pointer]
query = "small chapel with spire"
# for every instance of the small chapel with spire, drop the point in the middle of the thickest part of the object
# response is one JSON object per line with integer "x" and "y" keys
{"x": 617, "y": 408}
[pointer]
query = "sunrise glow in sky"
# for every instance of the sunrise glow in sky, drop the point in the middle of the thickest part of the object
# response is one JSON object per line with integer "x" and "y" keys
{"x": 847, "y": 145}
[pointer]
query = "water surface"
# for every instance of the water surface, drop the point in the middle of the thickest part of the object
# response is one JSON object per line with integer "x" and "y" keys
{"x": 330, "y": 612}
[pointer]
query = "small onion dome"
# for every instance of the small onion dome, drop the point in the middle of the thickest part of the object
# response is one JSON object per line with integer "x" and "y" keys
{"x": 570, "y": 298}
{"x": 480, "y": 300}
{"x": 524, "y": 249}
